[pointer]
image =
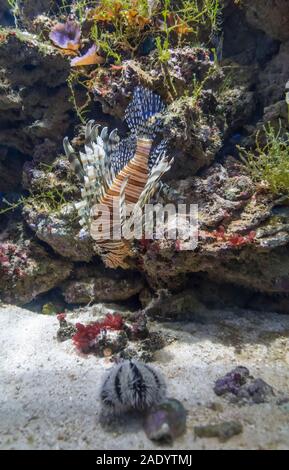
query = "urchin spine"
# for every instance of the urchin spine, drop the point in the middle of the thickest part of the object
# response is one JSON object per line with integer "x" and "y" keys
{"x": 131, "y": 385}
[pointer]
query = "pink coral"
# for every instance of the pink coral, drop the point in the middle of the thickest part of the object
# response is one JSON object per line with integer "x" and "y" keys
{"x": 13, "y": 260}
{"x": 233, "y": 239}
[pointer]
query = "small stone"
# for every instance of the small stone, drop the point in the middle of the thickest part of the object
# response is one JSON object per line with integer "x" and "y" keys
{"x": 65, "y": 332}
{"x": 107, "y": 352}
{"x": 49, "y": 309}
{"x": 258, "y": 391}
{"x": 166, "y": 421}
{"x": 138, "y": 329}
{"x": 216, "y": 407}
{"x": 283, "y": 403}
{"x": 223, "y": 431}
{"x": 232, "y": 381}
{"x": 154, "y": 342}
{"x": 110, "y": 342}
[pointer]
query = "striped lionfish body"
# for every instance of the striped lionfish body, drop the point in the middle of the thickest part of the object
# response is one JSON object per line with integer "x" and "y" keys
{"x": 126, "y": 171}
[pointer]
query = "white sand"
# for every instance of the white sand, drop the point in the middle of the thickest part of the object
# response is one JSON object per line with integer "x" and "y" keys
{"x": 49, "y": 393}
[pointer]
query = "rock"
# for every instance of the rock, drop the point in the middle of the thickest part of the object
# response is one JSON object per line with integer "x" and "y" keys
{"x": 65, "y": 332}
{"x": 232, "y": 381}
{"x": 237, "y": 102}
{"x": 243, "y": 386}
{"x": 275, "y": 114}
{"x": 223, "y": 431}
{"x": 243, "y": 43}
{"x": 110, "y": 343}
{"x": 273, "y": 78}
{"x": 211, "y": 108}
{"x": 255, "y": 270}
{"x": 66, "y": 329}
{"x": 113, "y": 89}
{"x": 6, "y": 17}
{"x": 248, "y": 247}
{"x": 258, "y": 391}
{"x": 138, "y": 329}
{"x": 26, "y": 269}
{"x": 11, "y": 165}
{"x": 98, "y": 284}
{"x": 50, "y": 212}
{"x": 166, "y": 422}
{"x": 62, "y": 233}
{"x": 35, "y": 96}
{"x": 29, "y": 9}
{"x": 165, "y": 305}
{"x": 271, "y": 16}
{"x": 143, "y": 349}
{"x": 49, "y": 309}
{"x": 194, "y": 137}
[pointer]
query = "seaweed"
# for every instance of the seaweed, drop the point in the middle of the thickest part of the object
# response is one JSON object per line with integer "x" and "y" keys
{"x": 269, "y": 162}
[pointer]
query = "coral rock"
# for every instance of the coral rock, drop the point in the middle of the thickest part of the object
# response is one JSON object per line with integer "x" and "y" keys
{"x": 97, "y": 284}
{"x": 166, "y": 421}
{"x": 223, "y": 431}
{"x": 271, "y": 16}
{"x": 27, "y": 270}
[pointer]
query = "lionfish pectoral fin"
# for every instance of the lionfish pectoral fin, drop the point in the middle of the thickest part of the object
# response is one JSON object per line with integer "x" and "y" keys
{"x": 73, "y": 159}
{"x": 114, "y": 137}
{"x": 152, "y": 184}
{"x": 94, "y": 133}
{"x": 67, "y": 147}
{"x": 88, "y": 129}
{"x": 104, "y": 134}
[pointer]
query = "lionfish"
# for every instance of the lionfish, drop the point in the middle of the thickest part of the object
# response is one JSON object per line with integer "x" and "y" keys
{"x": 129, "y": 170}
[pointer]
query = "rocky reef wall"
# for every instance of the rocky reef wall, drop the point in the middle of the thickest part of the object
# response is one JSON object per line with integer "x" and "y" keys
{"x": 244, "y": 231}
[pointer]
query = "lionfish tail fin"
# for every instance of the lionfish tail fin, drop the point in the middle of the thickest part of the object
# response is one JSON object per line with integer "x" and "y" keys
{"x": 142, "y": 113}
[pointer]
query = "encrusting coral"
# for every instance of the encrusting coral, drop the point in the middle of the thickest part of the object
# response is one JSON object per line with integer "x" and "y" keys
{"x": 127, "y": 171}
{"x": 114, "y": 336}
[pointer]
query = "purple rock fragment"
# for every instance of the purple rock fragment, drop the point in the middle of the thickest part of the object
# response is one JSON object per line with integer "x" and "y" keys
{"x": 243, "y": 386}
{"x": 257, "y": 391}
{"x": 232, "y": 381}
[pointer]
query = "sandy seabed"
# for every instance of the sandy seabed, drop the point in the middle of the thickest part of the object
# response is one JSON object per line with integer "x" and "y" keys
{"x": 49, "y": 392}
